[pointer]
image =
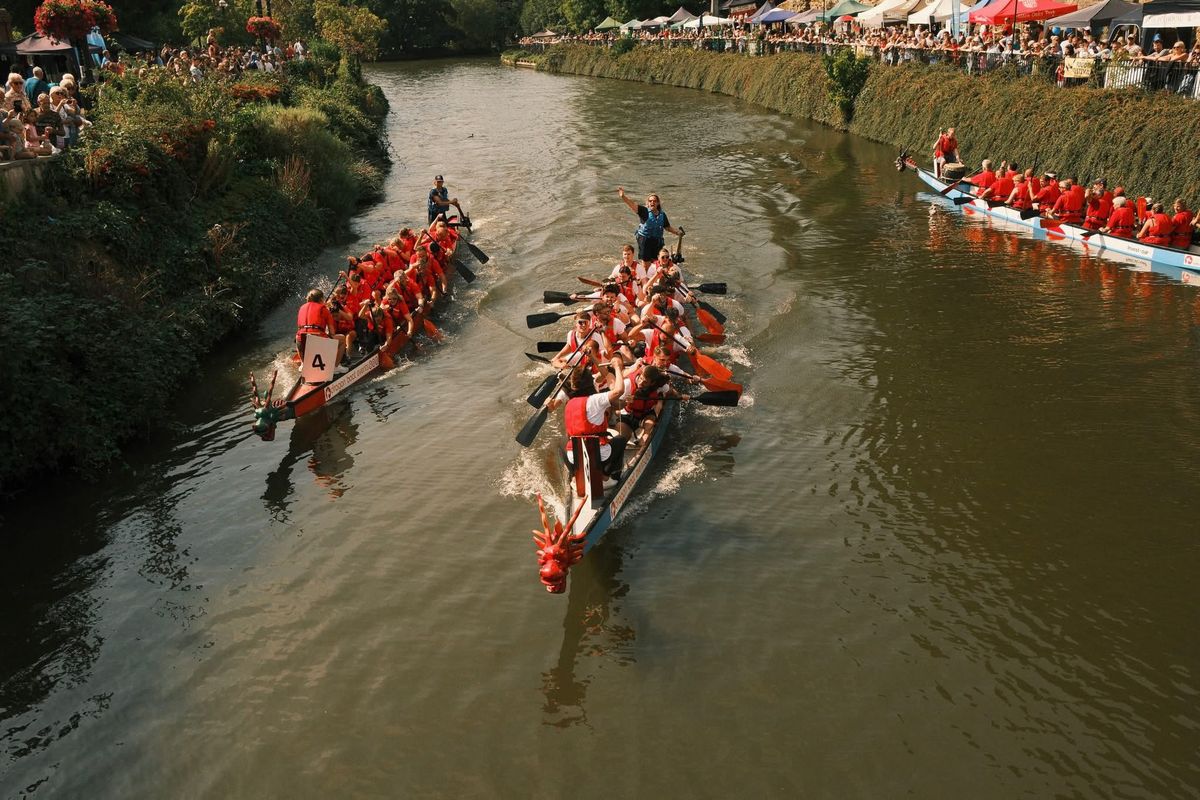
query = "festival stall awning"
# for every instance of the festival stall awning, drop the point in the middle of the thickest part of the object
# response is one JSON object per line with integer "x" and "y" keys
{"x": 608, "y": 24}
{"x": 632, "y": 25}
{"x": 776, "y": 15}
{"x": 1170, "y": 14}
{"x": 657, "y": 22}
{"x": 706, "y": 21}
{"x": 939, "y": 11}
{"x": 681, "y": 15}
{"x": 37, "y": 45}
{"x": 888, "y": 11}
{"x": 765, "y": 8}
{"x": 1000, "y": 12}
{"x": 739, "y": 8}
{"x": 546, "y": 34}
{"x": 807, "y": 18}
{"x": 846, "y": 7}
{"x": 1095, "y": 14}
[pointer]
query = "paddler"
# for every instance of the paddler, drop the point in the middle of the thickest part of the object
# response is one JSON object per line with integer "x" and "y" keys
{"x": 985, "y": 178}
{"x": 314, "y": 317}
{"x": 646, "y": 388}
{"x": 580, "y": 337}
{"x": 343, "y": 320}
{"x": 439, "y": 199}
{"x": 1120, "y": 222}
{"x": 1181, "y": 225}
{"x": 1048, "y": 195}
{"x": 1069, "y": 205}
{"x": 654, "y": 221}
{"x": 1157, "y": 229}
{"x": 1001, "y": 188}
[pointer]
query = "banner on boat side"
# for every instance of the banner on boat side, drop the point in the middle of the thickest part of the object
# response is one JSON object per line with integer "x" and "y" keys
{"x": 320, "y": 357}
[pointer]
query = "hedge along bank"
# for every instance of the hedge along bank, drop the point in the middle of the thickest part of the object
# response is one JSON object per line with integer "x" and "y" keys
{"x": 188, "y": 211}
{"x": 1149, "y": 143}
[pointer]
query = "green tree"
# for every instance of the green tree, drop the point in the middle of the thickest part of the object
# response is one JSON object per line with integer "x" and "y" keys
{"x": 538, "y": 15}
{"x": 484, "y": 24}
{"x": 414, "y": 26}
{"x": 583, "y": 15}
{"x": 195, "y": 19}
{"x": 353, "y": 29}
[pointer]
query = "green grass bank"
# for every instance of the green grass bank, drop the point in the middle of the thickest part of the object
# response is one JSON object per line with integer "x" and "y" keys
{"x": 1143, "y": 141}
{"x": 186, "y": 213}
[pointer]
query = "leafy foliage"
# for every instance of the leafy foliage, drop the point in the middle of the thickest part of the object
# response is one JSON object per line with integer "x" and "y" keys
{"x": 353, "y": 29}
{"x": 170, "y": 248}
{"x": 847, "y": 75}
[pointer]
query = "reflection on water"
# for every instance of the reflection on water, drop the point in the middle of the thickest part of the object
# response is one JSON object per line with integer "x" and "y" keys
{"x": 593, "y": 633}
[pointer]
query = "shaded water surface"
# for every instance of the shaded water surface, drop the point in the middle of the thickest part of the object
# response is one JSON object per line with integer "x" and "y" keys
{"x": 948, "y": 545}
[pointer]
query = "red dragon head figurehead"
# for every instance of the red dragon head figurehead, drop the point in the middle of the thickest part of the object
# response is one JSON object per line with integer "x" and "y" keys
{"x": 558, "y": 549}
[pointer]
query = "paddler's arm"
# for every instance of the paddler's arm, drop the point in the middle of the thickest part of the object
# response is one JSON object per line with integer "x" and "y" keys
{"x": 628, "y": 201}
{"x": 618, "y": 380}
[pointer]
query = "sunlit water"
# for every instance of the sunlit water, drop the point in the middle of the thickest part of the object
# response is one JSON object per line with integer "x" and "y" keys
{"x": 947, "y": 547}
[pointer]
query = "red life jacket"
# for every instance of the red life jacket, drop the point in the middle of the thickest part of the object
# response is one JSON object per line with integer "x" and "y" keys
{"x": 1070, "y": 205}
{"x": 312, "y": 318}
{"x": 1035, "y": 186}
{"x": 638, "y": 407}
{"x": 985, "y": 179}
{"x": 1022, "y": 201}
{"x": 1095, "y": 214}
{"x": 1120, "y": 223}
{"x": 577, "y": 422}
{"x": 1048, "y": 195}
{"x": 657, "y": 339}
{"x": 1160, "y": 230}
{"x": 1002, "y": 188}
{"x": 1182, "y": 225}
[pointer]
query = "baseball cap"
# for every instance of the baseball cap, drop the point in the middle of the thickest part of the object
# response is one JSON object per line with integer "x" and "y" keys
{"x": 438, "y": 178}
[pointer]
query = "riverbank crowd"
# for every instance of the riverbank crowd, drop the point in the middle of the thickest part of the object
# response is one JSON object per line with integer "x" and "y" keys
{"x": 1067, "y": 57}
{"x": 40, "y": 118}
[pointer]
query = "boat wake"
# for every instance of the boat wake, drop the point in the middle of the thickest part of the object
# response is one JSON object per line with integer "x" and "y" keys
{"x": 528, "y": 477}
{"x": 683, "y": 467}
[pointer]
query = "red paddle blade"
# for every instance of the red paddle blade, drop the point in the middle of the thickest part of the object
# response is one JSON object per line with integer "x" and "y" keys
{"x": 433, "y": 331}
{"x": 709, "y": 321}
{"x": 712, "y": 367}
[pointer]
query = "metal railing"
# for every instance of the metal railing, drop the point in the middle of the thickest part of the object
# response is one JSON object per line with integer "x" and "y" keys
{"x": 1152, "y": 76}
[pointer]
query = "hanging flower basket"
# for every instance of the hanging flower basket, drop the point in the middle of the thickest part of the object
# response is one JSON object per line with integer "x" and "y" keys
{"x": 73, "y": 20}
{"x": 263, "y": 28}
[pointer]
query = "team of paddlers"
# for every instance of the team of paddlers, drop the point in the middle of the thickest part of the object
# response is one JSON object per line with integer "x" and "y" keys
{"x": 623, "y": 347}
{"x": 1095, "y": 207}
{"x": 375, "y": 298}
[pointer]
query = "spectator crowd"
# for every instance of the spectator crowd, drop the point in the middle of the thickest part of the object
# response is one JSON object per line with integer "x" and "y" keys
{"x": 41, "y": 118}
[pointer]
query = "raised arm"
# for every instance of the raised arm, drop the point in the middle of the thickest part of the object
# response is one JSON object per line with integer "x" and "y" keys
{"x": 627, "y": 199}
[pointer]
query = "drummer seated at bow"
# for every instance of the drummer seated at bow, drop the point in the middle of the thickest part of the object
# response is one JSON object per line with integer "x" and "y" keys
{"x": 314, "y": 318}
{"x": 586, "y": 414}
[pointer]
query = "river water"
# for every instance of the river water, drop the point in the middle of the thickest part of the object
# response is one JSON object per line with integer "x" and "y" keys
{"x": 948, "y": 544}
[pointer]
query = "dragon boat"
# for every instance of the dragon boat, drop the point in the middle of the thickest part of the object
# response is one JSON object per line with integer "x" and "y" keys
{"x": 1182, "y": 265}
{"x": 594, "y": 503}
{"x": 304, "y": 398}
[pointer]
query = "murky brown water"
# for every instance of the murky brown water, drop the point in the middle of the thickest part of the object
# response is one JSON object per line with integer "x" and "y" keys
{"x": 947, "y": 548}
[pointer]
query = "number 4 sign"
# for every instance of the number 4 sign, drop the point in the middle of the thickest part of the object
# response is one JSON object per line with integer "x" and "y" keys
{"x": 320, "y": 357}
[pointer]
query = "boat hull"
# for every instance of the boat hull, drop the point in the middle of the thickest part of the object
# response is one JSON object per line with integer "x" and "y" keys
{"x": 595, "y": 522}
{"x": 1182, "y": 265}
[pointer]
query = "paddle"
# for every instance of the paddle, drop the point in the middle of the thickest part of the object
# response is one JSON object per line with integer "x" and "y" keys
{"x": 467, "y": 274}
{"x": 717, "y": 316}
{"x": 539, "y": 395}
{"x": 717, "y": 398}
{"x": 529, "y": 432}
{"x": 703, "y": 362}
{"x": 711, "y": 338}
{"x": 432, "y": 330}
{"x": 1030, "y": 213}
{"x": 964, "y": 199}
{"x": 711, "y": 288}
{"x": 677, "y": 256}
{"x": 482, "y": 257}
{"x": 550, "y": 347}
{"x": 539, "y": 359}
{"x": 558, "y": 297}
{"x": 547, "y": 318}
{"x": 590, "y": 281}
{"x": 715, "y": 384}
{"x": 466, "y": 220}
